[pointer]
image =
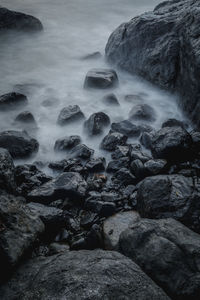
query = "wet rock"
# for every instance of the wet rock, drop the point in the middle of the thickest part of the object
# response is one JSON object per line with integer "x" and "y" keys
{"x": 101, "y": 79}
{"x": 88, "y": 218}
{"x": 18, "y": 143}
{"x": 137, "y": 168}
{"x": 19, "y": 229}
{"x": 96, "y": 164}
{"x": 146, "y": 139}
{"x": 110, "y": 100}
{"x": 136, "y": 153}
{"x": 168, "y": 252}
{"x": 171, "y": 143}
{"x": 11, "y": 20}
{"x": 109, "y": 275}
{"x": 26, "y": 118}
{"x": 69, "y": 184}
{"x": 56, "y": 248}
{"x": 174, "y": 123}
{"x": 81, "y": 151}
{"x": 69, "y": 114}
{"x": 12, "y": 100}
{"x": 143, "y": 112}
{"x": 127, "y": 128}
{"x": 120, "y": 152}
{"x": 102, "y": 208}
{"x": 7, "y": 171}
{"x": 65, "y": 165}
{"x": 67, "y": 143}
{"x": 112, "y": 140}
{"x": 170, "y": 196}
{"x": 125, "y": 177}
{"x": 115, "y": 165}
{"x": 195, "y": 135}
{"x": 155, "y": 166}
{"x": 115, "y": 225}
{"x": 96, "y": 123}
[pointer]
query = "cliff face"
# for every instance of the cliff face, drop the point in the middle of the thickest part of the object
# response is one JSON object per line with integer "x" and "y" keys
{"x": 163, "y": 46}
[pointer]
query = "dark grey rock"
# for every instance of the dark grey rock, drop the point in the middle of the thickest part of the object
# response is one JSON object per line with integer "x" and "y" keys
{"x": 115, "y": 165}
{"x": 96, "y": 164}
{"x": 82, "y": 275}
{"x": 137, "y": 168}
{"x": 101, "y": 79}
{"x": 120, "y": 152}
{"x": 110, "y": 100}
{"x": 12, "y": 100}
{"x": 112, "y": 140}
{"x": 18, "y": 143}
{"x": 67, "y": 143}
{"x": 69, "y": 114}
{"x": 168, "y": 252}
{"x": 127, "y": 128}
{"x": 136, "y": 153}
{"x": 26, "y": 117}
{"x": 7, "y": 171}
{"x": 174, "y": 123}
{"x": 142, "y": 112}
{"x": 155, "y": 166}
{"x": 96, "y": 123}
{"x": 81, "y": 151}
{"x": 125, "y": 177}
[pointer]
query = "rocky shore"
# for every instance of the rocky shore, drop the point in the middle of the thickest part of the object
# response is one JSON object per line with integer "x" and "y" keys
{"x": 124, "y": 228}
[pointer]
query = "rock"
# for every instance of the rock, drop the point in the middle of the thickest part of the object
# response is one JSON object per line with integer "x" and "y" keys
{"x": 115, "y": 225}
{"x": 195, "y": 135}
{"x": 88, "y": 218}
{"x": 68, "y": 184}
{"x": 112, "y": 140}
{"x": 127, "y": 128}
{"x": 11, "y": 20}
{"x": 65, "y": 165}
{"x": 67, "y": 143}
{"x": 81, "y": 151}
{"x": 142, "y": 112}
{"x": 168, "y": 252}
{"x": 125, "y": 177}
{"x": 26, "y": 118}
{"x": 18, "y": 143}
{"x": 50, "y": 102}
{"x": 56, "y": 248}
{"x": 19, "y": 229}
{"x": 146, "y": 139}
{"x": 170, "y": 196}
{"x": 137, "y": 168}
{"x": 102, "y": 208}
{"x": 110, "y": 100}
{"x": 171, "y": 143}
{"x": 96, "y": 164}
{"x": 136, "y": 153}
{"x": 101, "y": 79}
{"x": 95, "y": 55}
{"x": 120, "y": 152}
{"x": 69, "y": 114}
{"x": 115, "y": 165}
{"x": 96, "y": 123}
{"x": 174, "y": 123}
{"x": 155, "y": 166}
{"x": 82, "y": 274}
{"x": 158, "y": 46}
{"x": 7, "y": 171}
{"x": 12, "y": 100}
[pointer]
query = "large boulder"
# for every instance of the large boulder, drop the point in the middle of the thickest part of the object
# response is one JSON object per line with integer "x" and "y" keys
{"x": 81, "y": 275}
{"x": 163, "y": 47}
{"x": 7, "y": 171}
{"x": 12, "y": 100}
{"x": 69, "y": 114}
{"x": 19, "y": 229}
{"x": 168, "y": 252}
{"x": 170, "y": 196}
{"x": 18, "y": 143}
{"x": 11, "y": 20}
{"x": 96, "y": 123}
{"x": 101, "y": 79}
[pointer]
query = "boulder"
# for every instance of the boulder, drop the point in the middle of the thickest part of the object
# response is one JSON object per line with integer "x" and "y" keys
{"x": 168, "y": 252}
{"x": 12, "y": 100}
{"x": 172, "y": 143}
{"x": 19, "y": 229}
{"x": 69, "y": 114}
{"x": 18, "y": 143}
{"x": 127, "y": 128}
{"x": 170, "y": 196}
{"x": 158, "y": 46}
{"x": 115, "y": 225}
{"x": 83, "y": 275}
{"x": 27, "y": 118}
{"x": 11, "y": 20}
{"x": 101, "y": 79}
{"x": 96, "y": 123}
{"x": 68, "y": 184}
{"x": 142, "y": 112}
{"x": 7, "y": 171}
{"x": 67, "y": 143}
{"x": 112, "y": 140}
{"x": 110, "y": 100}
{"x": 155, "y": 166}
{"x": 81, "y": 151}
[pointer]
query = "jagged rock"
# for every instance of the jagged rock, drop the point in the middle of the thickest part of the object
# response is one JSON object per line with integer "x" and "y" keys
{"x": 101, "y": 79}
{"x": 96, "y": 164}
{"x": 120, "y": 152}
{"x": 69, "y": 114}
{"x": 96, "y": 123}
{"x": 7, "y": 171}
{"x": 174, "y": 123}
{"x": 12, "y": 100}
{"x": 81, "y": 151}
{"x": 115, "y": 165}
{"x": 112, "y": 140}
{"x": 127, "y": 128}
{"x": 67, "y": 143}
{"x": 155, "y": 166}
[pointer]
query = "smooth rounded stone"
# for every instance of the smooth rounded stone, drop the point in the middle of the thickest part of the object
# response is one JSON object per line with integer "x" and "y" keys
{"x": 11, "y": 20}
{"x": 115, "y": 225}
{"x": 170, "y": 196}
{"x": 27, "y": 118}
{"x": 94, "y": 55}
{"x": 172, "y": 143}
{"x": 69, "y": 114}
{"x": 12, "y": 100}
{"x": 112, "y": 140}
{"x": 96, "y": 123}
{"x": 68, "y": 184}
{"x": 120, "y": 152}
{"x": 19, "y": 229}
{"x": 81, "y": 151}
{"x": 142, "y": 112}
{"x": 155, "y": 166}
{"x": 127, "y": 128}
{"x": 101, "y": 79}
{"x": 18, "y": 143}
{"x": 174, "y": 123}
{"x": 110, "y": 100}
{"x": 81, "y": 275}
{"x": 96, "y": 164}
{"x": 7, "y": 171}
{"x": 67, "y": 143}
{"x": 137, "y": 169}
{"x": 125, "y": 177}
{"x": 115, "y": 165}
{"x": 168, "y": 252}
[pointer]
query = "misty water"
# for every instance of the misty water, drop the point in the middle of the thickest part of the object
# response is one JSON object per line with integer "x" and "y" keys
{"x": 52, "y": 62}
